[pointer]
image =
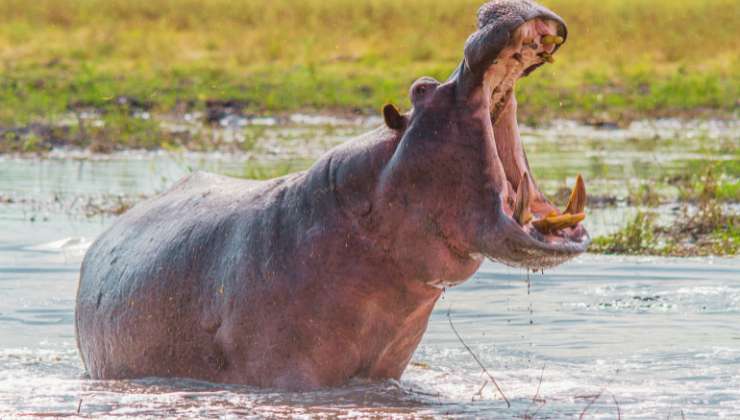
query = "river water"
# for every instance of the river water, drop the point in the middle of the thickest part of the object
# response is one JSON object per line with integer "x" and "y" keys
{"x": 613, "y": 336}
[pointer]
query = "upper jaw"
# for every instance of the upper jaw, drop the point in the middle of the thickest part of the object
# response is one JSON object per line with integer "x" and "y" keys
{"x": 531, "y": 45}
{"x": 498, "y": 23}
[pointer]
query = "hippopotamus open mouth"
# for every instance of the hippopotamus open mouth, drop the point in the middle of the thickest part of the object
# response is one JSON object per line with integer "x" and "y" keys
{"x": 513, "y": 39}
{"x": 472, "y": 118}
{"x": 546, "y": 235}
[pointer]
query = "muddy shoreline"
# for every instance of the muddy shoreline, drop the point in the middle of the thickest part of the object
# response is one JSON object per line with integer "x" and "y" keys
{"x": 666, "y": 187}
{"x": 224, "y": 125}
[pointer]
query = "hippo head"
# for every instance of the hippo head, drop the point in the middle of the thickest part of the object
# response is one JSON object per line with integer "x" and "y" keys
{"x": 459, "y": 168}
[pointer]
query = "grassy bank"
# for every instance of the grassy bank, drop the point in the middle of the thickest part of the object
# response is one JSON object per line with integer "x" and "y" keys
{"x": 625, "y": 58}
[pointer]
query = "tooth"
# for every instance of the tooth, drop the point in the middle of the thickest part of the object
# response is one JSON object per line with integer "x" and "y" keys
{"x": 530, "y": 42}
{"x": 522, "y": 215}
{"x": 577, "y": 201}
{"x": 552, "y": 39}
{"x": 547, "y": 57}
{"x": 555, "y": 223}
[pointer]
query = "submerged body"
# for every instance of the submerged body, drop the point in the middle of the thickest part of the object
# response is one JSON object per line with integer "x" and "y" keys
{"x": 329, "y": 274}
{"x": 264, "y": 283}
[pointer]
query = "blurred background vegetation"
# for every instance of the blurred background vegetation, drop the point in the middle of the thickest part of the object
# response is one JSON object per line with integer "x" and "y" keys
{"x": 624, "y": 59}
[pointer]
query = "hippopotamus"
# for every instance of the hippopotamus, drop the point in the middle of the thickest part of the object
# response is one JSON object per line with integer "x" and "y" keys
{"x": 321, "y": 276}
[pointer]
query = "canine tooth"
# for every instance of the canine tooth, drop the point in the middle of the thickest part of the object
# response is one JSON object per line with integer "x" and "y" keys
{"x": 547, "y": 57}
{"x": 555, "y": 223}
{"x": 552, "y": 39}
{"x": 577, "y": 201}
{"x": 522, "y": 215}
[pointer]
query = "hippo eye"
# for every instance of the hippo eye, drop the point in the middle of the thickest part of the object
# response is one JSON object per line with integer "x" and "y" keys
{"x": 420, "y": 90}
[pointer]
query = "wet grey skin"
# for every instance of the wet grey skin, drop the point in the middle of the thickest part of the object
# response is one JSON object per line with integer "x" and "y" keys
{"x": 309, "y": 280}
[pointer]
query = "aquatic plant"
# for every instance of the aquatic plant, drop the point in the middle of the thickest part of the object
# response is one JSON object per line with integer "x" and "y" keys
{"x": 645, "y": 194}
{"x": 707, "y": 229}
{"x": 717, "y": 181}
{"x": 636, "y": 237}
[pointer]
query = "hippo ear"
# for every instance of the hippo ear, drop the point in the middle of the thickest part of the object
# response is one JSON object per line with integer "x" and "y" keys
{"x": 393, "y": 118}
{"x": 483, "y": 46}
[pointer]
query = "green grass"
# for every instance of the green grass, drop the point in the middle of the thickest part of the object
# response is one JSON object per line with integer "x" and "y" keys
{"x": 624, "y": 59}
{"x": 718, "y": 181}
{"x": 637, "y": 237}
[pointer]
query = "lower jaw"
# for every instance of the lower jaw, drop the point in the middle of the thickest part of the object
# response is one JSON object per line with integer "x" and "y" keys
{"x": 521, "y": 199}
